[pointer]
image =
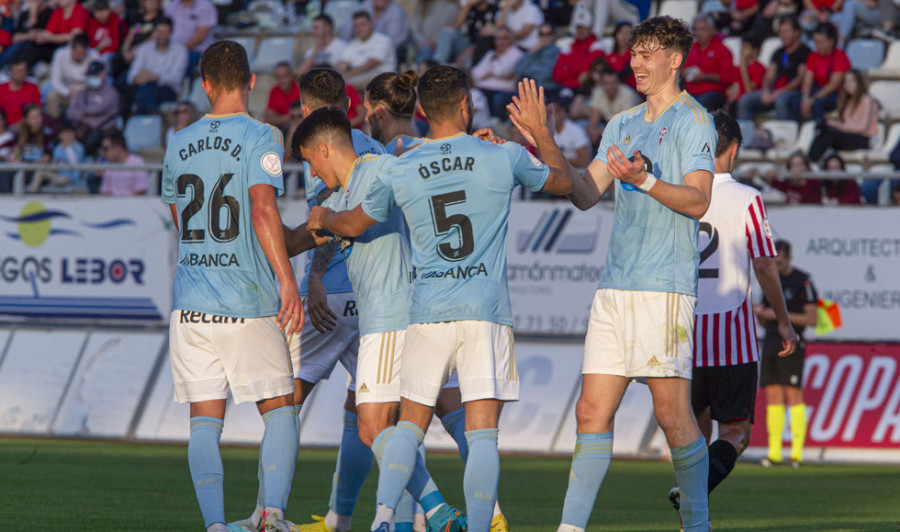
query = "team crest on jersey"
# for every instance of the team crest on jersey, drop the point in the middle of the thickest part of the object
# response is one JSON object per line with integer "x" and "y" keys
{"x": 271, "y": 163}
{"x": 767, "y": 228}
{"x": 663, "y": 134}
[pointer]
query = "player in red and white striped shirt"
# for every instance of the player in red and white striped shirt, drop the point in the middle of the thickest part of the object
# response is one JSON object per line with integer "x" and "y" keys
{"x": 734, "y": 237}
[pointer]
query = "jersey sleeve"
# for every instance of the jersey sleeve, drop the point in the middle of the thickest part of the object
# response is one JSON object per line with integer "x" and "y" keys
{"x": 697, "y": 143}
{"x": 759, "y": 235}
{"x": 265, "y": 160}
{"x": 379, "y": 199}
{"x": 527, "y": 169}
{"x": 168, "y": 183}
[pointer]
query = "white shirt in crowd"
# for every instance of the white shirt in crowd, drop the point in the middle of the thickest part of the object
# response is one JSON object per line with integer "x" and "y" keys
{"x": 330, "y": 55}
{"x": 497, "y": 73}
{"x": 377, "y": 47}
{"x": 625, "y": 99}
{"x": 528, "y": 13}
{"x": 571, "y": 138}
{"x": 66, "y": 76}
{"x": 170, "y": 65}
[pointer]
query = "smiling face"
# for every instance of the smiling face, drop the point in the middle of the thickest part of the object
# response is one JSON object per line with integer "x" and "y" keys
{"x": 655, "y": 68}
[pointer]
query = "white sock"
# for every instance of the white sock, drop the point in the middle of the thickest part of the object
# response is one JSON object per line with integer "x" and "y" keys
{"x": 434, "y": 510}
{"x": 257, "y": 515}
{"x": 382, "y": 515}
{"x": 278, "y": 513}
{"x": 217, "y": 527}
{"x": 339, "y": 523}
{"x": 497, "y": 510}
{"x": 569, "y": 528}
{"x": 419, "y": 523}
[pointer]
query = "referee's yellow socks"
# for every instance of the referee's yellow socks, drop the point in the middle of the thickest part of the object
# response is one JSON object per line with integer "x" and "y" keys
{"x": 775, "y": 428}
{"x": 798, "y": 431}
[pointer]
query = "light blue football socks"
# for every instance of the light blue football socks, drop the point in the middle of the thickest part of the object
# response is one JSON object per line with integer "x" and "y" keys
{"x": 590, "y": 462}
{"x": 691, "y": 463}
{"x": 278, "y": 455}
{"x": 481, "y": 477}
{"x": 205, "y": 463}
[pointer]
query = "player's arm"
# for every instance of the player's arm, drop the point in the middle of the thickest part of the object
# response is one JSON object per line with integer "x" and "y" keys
{"x": 528, "y": 112}
{"x": 270, "y": 234}
{"x": 174, "y": 210}
{"x": 588, "y": 188}
{"x": 345, "y": 223}
{"x": 767, "y": 275}
{"x": 300, "y": 239}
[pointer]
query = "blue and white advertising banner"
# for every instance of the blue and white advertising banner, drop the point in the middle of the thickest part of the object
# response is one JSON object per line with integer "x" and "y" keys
{"x": 85, "y": 258}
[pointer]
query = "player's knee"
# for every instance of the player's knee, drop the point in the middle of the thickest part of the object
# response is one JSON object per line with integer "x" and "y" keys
{"x": 670, "y": 416}
{"x": 591, "y": 416}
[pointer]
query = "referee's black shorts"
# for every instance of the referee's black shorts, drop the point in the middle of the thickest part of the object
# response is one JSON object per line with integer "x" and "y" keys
{"x": 728, "y": 391}
{"x": 775, "y": 370}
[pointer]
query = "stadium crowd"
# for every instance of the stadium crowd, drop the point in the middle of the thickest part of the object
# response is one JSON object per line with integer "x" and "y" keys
{"x": 74, "y": 74}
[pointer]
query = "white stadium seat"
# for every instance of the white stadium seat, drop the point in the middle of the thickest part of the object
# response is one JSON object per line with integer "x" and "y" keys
{"x": 686, "y": 10}
{"x": 784, "y": 132}
{"x": 747, "y": 129}
{"x": 861, "y": 156}
{"x": 881, "y": 153}
{"x": 734, "y": 46}
{"x": 249, "y": 44}
{"x": 767, "y": 49}
{"x": 890, "y": 67}
{"x": 272, "y": 51}
{"x": 865, "y": 54}
{"x": 143, "y": 132}
{"x": 888, "y": 95}
{"x": 802, "y": 141}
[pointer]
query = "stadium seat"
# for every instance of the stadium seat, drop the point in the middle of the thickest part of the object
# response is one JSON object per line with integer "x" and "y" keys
{"x": 607, "y": 44}
{"x": 734, "y": 46}
{"x": 802, "y": 141}
{"x": 143, "y": 132}
{"x": 881, "y": 153}
{"x": 747, "y": 129}
{"x": 888, "y": 95}
{"x": 784, "y": 132}
{"x": 341, "y": 11}
{"x": 272, "y": 51}
{"x": 249, "y": 44}
{"x": 890, "y": 67}
{"x": 865, "y": 54}
{"x": 767, "y": 49}
{"x": 861, "y": 156}
{"x": 686, "y": 10}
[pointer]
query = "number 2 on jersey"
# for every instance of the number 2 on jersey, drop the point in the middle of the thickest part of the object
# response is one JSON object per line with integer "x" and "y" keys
{"x": 443, "y": 224}
{"x": 218, "y": 201}
{"x": 707, "y": 252}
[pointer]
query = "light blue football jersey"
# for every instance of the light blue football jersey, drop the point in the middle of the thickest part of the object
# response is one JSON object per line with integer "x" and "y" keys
{"x": 408, "y": 142}
{"x": 379, "y": 261}
{"x": 455, "y": 194}
{"x": 335, "y": 278}
{"x": 208, "y": 170}
{"x": 654, "y": 248}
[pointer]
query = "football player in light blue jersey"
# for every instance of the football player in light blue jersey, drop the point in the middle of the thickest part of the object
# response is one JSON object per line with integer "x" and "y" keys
{"x": 659, "y": 157}
{"x": 220, "y": 177}
{"x": 455, "y": 191}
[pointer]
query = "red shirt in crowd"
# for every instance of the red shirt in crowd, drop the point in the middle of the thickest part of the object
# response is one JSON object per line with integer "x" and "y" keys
{"x": 106, "y": 38}
{"x": 800, "y": 191}
{"x": 822, "y": 66}
{"x": 824, "y": 4}
{"x": 756, "y": 71}
{"x": 576, "y": 61}
{"x": 355, "y": 100}
{"x": 620, "y": 62}
{"x": 14, "y": 102}
{"x": 716, "y": 58}
{"x": 80, "y": 18}
{"x": 5, "y": 38}
{"x": 280, "y": 101}
{"x": 741, "y": 5}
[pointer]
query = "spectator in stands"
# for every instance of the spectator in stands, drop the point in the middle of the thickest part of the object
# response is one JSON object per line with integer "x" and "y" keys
{"x": 609, "y": 98}
{"x": 708, "y": 67}
{"x": 619, "y": 58}
{"x": 194, "y": 21}
{"x": 34, "y": 144}
{"x": 429, "y": 20}
{"x": 29, "y": 26}
{"x": 604, "y": 12}
{"x": 69, "y": 19}
{"x": 185, "y": 114}
{"x": 295, "y": 116}
{"x": 523, "y": 18}
{"x": 856, "y": 123}
{"x": 18, "y": 93}
{"x": 105, "y": 30}
{"x": 781, "y": 84}
{"x": 116, "y": 182}
{"x": 795, "y": 188}
{"x": 471, "y": 36}
{"x": 387, "y": 17}
{"x": 573, "y": 142}
{"x": 749, "y": 73}
{"x": 495, "y": 74}
{"x": 538, "y": 63}
{"x": 94, "y": 109}
{"x": 158, "y": 68}
{"x": 817, "y": 12}
{"x": 68, "y": 73}
{"x": 839, "y": 191}
{"x": 283, "y": 94}
{"x": 573, "y": 66}
{"x": 368, "y": 54}
{"x": 141, "y": 29}
{"x": 732, "y": 17}
{"x": 856, "y": 13}
{"x": 825, "y": 68}
{"x": 67, "y": 151}
{"x": 326, "y": 48}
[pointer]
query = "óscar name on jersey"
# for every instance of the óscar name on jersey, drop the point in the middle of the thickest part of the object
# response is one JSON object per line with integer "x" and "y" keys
{"x": 447, "y": 164}
{"x": 206, "y": 144}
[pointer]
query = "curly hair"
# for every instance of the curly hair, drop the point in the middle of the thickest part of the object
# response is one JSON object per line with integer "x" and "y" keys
{"x": 665, "y": 33}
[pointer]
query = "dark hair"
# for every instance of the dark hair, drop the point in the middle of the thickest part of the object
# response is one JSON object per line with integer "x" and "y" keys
{"x": 225, "y": 66}
{"x": 26, "y": 136}
{"x": 803, "y": 157}
{"x": 665, "y": 33}
{"x": 167, "y": 21}
{"x": 326, "y": 19}
{"x": 827, "y": 29}
{"x": 99, "y": 5}
{"x": 836, "y": 157}
{"x": 323, "y": 87}
{"x": 728, "y": 130}
{"x": 440, "y": 91}
{"x": 792, "y": 20}
{"x": 851, "y": 101}
{"x": 783, "y": 247}
{"x": 285, "y": 64}
{"x": 397, "y": 92}
{"x": 325, "y": 121}
{"x": 81, "y": 40}
{"x": 362, "y": 14}
{"x": 754, "y": 41}
{"x": 116, "y": 138}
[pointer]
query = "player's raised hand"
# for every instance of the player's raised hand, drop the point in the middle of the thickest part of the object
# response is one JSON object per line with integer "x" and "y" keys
{"x": 317, "y": 216}
{"x": 527, "y": 111}
{"x": 290, "y": 316}
{"x": 624, "y": 169}
{"x": 789, "y": 339}
{"x": 400, "y": 149}
{"x": 487, "y": 134}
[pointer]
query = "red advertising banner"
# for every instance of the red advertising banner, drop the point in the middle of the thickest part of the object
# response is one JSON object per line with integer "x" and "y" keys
{"x": 852, "y": 394}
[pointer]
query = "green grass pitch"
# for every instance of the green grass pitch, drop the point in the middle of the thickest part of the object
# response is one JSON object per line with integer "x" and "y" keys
{"x": 100, "y": 486}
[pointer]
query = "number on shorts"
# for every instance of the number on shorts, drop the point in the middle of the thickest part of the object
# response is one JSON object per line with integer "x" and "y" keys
{"x": 443, "y": 224}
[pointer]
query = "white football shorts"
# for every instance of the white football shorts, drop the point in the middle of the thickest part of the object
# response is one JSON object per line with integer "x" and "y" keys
{"x": 211, "y": 353}
{"x": 314, "y": 354}
{"x": 378, "y": 367}
{"x": 640, "y": 334}
{"x": 481, "y": 352}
